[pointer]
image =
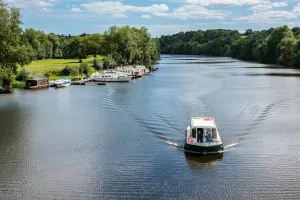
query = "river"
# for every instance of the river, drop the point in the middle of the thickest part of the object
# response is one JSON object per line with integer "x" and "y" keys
{"x": 125, "y": 140}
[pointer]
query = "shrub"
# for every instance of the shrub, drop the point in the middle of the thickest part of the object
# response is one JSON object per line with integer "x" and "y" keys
{"x": 23, "y": 75}
{"x": 97, "y": 65}
{"x": 84, "y": 69}
{"x": 69, "y": 71}
{"x": 18, "y": 84}
{"x": 109, "y": 62}
{"x": 5, "y": 80}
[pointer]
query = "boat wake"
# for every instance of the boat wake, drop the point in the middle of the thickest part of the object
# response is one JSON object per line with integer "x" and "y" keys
{"x": 172, "y": 143}
{"x": 229, "y": 146}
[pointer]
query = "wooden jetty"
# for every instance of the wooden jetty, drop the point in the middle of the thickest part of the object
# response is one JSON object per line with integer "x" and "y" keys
{"x": 85, "y": 81}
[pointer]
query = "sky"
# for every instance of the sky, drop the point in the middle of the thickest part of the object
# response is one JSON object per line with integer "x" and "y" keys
{"x": 161, "y": 17}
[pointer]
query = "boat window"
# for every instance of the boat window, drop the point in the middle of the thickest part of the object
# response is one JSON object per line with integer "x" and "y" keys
{"x": 194, "y": 132}
{"x": 208, "y": 132}
{"x": 214, "y": 133}
{"x": 200, "y": 135}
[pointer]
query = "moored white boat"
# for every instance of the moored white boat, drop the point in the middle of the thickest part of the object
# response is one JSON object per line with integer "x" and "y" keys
{"x": 202, "y": 137}
{"x": 62, "y": 82}
{"x": 111, "y": 76}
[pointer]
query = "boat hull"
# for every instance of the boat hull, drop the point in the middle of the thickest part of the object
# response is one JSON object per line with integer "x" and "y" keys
{"x": 120, "y": 79}
{"x": 7, "y": 91}
{"x": 194, "y": 149}
{"x": 37, "y": 87}
{"x": 62, "y": 85}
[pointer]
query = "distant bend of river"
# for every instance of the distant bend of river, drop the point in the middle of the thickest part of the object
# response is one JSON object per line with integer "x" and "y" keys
{"x": 124, "y": 141}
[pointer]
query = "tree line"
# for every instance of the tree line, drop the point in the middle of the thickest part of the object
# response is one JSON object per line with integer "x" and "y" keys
{"x": 18, "y": 47}
{"x": 124, "y": 45}
{"x": 279, "y": 45}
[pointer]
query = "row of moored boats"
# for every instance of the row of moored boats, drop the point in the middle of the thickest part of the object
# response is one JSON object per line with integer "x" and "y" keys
{"x": 119, "y": 74}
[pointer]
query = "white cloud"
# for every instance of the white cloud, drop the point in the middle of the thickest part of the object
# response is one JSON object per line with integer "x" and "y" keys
{"x": 261, "y": 7}
{"x": 193, "y": 12}
{"x": 46, "y": 9}
{"x": 29, "y": 3}
{"x": 279, "y": 4}
{"x": 268, "y": 6}
{"x": 146, "y": 16}
{"x": 226, "y": 2}
{"x": 118, "y": 15}
{"x": 296, "y": 10}
{"x": 119, "y": 9}
{"x": 76, "y": 9}
{"x": 268, "y": 17}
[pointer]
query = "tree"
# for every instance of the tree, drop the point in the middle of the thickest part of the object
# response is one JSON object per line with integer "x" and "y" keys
{"x": 96, "y": 65}
{"x": 84, "y": 69}
{"x": 95, "y": 44}
{"x": 76, "y": 48}
{"x": 108, "y": 62}
{"x": 248, "y": 32}
{"x": 296, "y": 53}
{"x": 286, "y": 48}
{"x": 271, "y": 53}
{"x": 13, "y": 50}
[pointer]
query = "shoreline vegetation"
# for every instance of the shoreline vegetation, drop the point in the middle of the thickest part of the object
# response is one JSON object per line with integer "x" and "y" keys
{"x": 279, "y": 45}
{"x": 30, "y": 53}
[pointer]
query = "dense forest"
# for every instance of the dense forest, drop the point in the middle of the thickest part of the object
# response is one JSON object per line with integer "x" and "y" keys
{"x": 19, "y": 47}
{"x": 274, "y": 46}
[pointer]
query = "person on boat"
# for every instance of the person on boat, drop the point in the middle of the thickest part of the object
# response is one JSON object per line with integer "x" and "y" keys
{"x": 208, "y": 138}
{"x": 200, "y": 136}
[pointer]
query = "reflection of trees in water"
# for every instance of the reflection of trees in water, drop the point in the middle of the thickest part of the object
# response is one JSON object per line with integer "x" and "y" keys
{"x": 13, "y": 161}
{"x": 203, "y": 161}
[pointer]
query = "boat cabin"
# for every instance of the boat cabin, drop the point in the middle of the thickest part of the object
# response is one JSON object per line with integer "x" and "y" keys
{"x": 37, "y": 83}
{"x": 203, "y": 132}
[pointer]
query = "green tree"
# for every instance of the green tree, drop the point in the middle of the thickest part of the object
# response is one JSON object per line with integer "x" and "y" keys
{"x": 13, "y": 50}
{"x": 96, "y": 65}
{"x": 271, "y": 53}
{"x": 286, "y": 48}
{"x": 296, "y": 54}
{"x": 109, "y": 62}
{"x": 95, "y": 44}
{"x": 84, "y": 69}
{"x": 76, "y": 48}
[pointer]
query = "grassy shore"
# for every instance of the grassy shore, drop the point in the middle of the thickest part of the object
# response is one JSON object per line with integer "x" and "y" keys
{"x": 49, "y": 65}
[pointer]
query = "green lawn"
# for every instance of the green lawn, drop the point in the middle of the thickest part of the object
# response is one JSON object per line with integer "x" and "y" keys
{"x": 45, "y": 66}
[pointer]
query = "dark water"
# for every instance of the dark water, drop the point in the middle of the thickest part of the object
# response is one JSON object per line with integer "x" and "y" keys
{"x": 124, "y": 140}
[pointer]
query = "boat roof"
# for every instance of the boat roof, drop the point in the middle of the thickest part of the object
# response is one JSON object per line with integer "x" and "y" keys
{"x": 203, "y": 122}
{"x": 38, "y": 79}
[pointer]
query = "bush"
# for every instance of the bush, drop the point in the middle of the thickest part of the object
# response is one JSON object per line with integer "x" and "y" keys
{"x": 84, "y": 69}
{"x": 5, "y": 80}
{"x": 69, "y": 71}
{"x": 23, "y": 75}
{"x": 18, "y": 84}
{"x": 108, "y": 61}
{"x": 97, "y": 65}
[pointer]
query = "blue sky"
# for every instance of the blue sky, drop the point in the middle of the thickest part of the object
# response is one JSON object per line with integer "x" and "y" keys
{"x": 161, "y": 17}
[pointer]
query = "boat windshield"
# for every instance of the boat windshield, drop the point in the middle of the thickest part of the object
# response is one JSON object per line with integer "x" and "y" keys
{"x": 205, "y": 135}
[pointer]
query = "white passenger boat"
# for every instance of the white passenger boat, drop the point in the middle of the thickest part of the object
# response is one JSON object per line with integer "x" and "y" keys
{"x": 62, "y": 82}
{"x": 111, "y": 76}
{"x": 202, "y": 137}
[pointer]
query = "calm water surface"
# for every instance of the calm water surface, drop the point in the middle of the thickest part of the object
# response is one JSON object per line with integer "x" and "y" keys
{"x": 125, "y": 140}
